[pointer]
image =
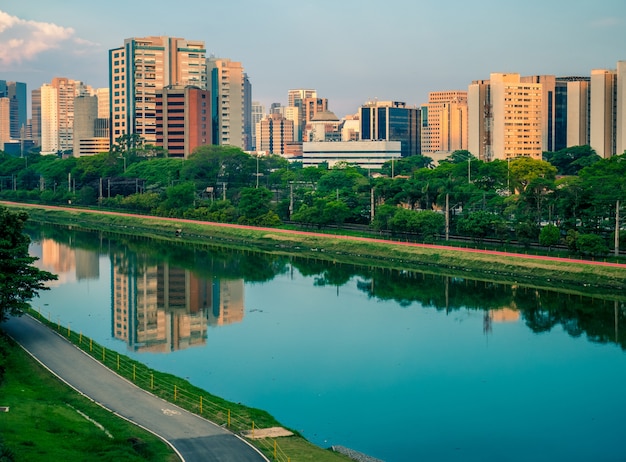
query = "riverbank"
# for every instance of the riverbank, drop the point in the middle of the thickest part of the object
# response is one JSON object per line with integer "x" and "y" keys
{"x": 574, "y": 276}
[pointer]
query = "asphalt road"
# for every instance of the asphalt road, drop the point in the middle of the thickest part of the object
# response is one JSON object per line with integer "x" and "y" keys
{"x": 194, "y": 438}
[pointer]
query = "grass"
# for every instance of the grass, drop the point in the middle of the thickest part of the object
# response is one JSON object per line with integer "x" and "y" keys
{"x": 48, "y": 420}
{"x": 568, "y": 275}
{"x": 236, "y": 417}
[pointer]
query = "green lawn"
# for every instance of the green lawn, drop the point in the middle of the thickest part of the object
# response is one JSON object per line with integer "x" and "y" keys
{"x": 47, "y": 420}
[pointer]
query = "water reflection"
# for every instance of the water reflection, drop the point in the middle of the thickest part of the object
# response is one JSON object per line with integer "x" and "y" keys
{"x": 164, "y": 296}
{"x": 397, "y": 364}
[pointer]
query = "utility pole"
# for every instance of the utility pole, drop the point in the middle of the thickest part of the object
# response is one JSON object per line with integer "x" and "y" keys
{"x": 616, "y": 229}
{"x": 372, "y": 205}
{"x": 447, "y": 216}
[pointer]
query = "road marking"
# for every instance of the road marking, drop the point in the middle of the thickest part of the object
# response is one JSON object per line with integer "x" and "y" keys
{"x": 170, "y": 412}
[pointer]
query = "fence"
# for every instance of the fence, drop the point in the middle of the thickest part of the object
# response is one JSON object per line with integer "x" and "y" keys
{"x": 170, "y": 388}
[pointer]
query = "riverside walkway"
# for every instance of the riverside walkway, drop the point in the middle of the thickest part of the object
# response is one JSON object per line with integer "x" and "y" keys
{"x": 192, "y": 437}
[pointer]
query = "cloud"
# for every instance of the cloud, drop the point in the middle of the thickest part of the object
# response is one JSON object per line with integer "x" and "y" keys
{"x": 22, "y": 40}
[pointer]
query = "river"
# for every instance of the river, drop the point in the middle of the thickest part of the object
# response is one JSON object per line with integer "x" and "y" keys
{"x": 402, "y": 366}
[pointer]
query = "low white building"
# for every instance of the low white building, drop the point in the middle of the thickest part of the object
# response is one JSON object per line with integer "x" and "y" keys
{"x": 368, "y": 154}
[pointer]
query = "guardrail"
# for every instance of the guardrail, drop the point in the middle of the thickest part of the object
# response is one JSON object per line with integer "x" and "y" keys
{"x": 174, "y": 391}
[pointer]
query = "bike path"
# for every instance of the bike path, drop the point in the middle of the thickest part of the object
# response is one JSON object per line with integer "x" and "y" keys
{"x": 192, "y": 437}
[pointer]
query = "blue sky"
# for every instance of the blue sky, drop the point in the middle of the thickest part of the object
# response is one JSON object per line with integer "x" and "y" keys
{"x": 350, "y": 51}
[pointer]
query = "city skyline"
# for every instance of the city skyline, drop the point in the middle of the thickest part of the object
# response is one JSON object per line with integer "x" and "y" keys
{"x": 349, "y": 52}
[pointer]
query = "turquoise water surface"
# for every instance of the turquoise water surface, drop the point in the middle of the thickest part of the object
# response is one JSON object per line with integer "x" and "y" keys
{"x": 402, "y": 366}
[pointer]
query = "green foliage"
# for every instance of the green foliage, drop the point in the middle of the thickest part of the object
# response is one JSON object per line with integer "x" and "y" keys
{"x": 178, "y": 199}
{"x": 221, "y": 211}
{"x": 526, "y": 232}
{"x": 20, "y": 281}
{"x": 550, "y": 235}
{"x": 426, "y": 223}
{"x": 478, "y": 225}
{"x": 591, "y": 244}
{"x": 524, "y": 170}
{"x": 405, "y": 166}
{"x": 569, "y": 161}
{"x": 254, "y": 202}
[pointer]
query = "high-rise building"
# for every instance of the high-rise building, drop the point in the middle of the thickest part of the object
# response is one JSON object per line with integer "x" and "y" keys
{"x": 273, "y": 133}
{"x": 16, "y": 93}
{"x": 257, "y": 113}
{"x": 548, "y": 108}
{"x": 67, "y": 91}
{"x": 228, "y": 97}
{"x": 49, "y": 125}
{"x": 183, "y": 119}
{"x": 311, "y": 106}
{"x": 35, "y": 101}
{"x": 391, "y": 121}
{"x": 5, "y": 118}
{"x": 91, "y": 135}
{"x": 141, "y": 67}
{"x": 296, "y": 98}
{"x": 572, "y": 112}
{"x": 103, "y": 103}
{"x": 248, "y": 127}
{"x": 53, "y": 114}
{"x": 444, "y": 123}
{"x": 85, "y": 115}
{"x": 620, "y": 96}
{"x": 324, "y": 126}
{"x": 504, "y": 118}
{"x": 603, "y": 109}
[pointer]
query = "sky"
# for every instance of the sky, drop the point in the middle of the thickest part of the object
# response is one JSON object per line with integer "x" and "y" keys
{"x": 350, "y": 51}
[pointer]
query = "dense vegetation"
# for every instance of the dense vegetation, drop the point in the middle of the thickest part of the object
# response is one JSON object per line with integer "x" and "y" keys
{"x": 569, "y": 198}
{"x": 20, "y": 281}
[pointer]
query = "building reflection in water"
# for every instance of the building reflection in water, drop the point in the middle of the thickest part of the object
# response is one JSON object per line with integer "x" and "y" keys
{"x": 160, "y": 308}
{"x": 67, "y": 263}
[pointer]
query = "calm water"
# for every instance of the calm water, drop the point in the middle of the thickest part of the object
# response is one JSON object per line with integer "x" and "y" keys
{"x": 402, "y": 366}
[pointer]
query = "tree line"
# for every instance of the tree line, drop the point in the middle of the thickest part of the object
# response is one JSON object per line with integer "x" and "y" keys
{"x": 570, "y": 197}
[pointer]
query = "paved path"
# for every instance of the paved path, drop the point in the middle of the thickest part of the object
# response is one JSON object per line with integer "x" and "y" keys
{"x": 194, "y": 438}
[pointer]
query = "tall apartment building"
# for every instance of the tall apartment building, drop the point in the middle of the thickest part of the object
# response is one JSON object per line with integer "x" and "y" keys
{"x": 15, "y": 92}
{"x": 620, "y": 116}
{"x": 257, "y": 113}
{"x": 67, "y": 91}
{"x": 603, "y": 130}
{"x": 248, "y": 127}
{"x": 5, "y": 125}
{"x": 548, "y": 108}
{"x": 274, "y": 133}
{"x": 53, "y": 113}
{"x": 444, "y": 123}
{"x": 183, "y": 119}
{"x": 49, "y": 124}
{"x": 141, "y": 67}
{"x": 296, "y": 98}
{"x": 505, "y": 118}
{"x": 228, "y": 102}
{"x": 572, "y": 112}
{"x": 391, "y": 121}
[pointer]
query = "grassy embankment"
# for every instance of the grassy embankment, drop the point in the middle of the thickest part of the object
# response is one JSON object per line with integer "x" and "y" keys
{"x": 569, "y": 276}
{"x": 236, "y": 417}
{"x": 47, "y": 420}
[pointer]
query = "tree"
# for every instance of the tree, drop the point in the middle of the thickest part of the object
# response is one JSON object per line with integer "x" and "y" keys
{"x": 478, "y": 225}
{"x": 20, "y": 281}
{"x": 591, "y": 244}
{"x": 549, "y": 236}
